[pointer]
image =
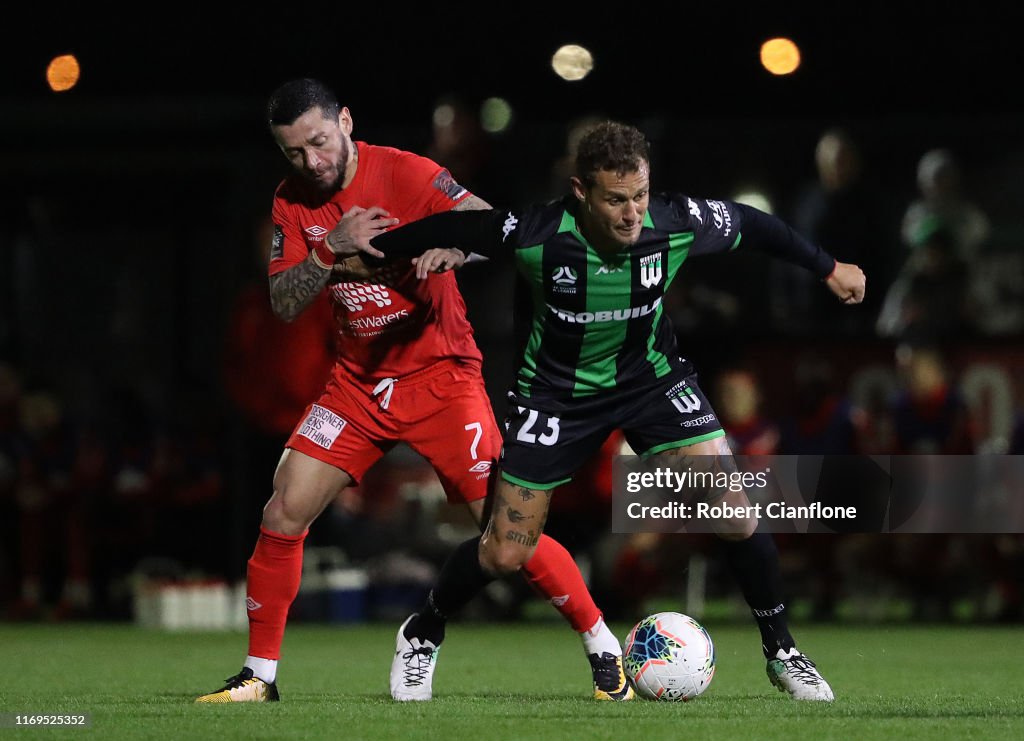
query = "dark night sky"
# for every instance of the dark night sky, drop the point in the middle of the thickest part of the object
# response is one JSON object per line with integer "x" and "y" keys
{"x": 700, "y": 59}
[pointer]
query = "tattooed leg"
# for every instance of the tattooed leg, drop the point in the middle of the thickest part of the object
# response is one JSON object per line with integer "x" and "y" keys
{"x": 708, "y": 461}
{"x": 517, "y": 522}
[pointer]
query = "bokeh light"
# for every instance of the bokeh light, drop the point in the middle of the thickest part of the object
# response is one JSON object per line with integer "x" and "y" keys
{"x": 63, "y": 73}
{"x": 754, "y": 197}
{"x": 780, "y": 56}
{"x": 495, "y": 115}
{"x": 572, "y": 62}
{"x": 444, "y": 115}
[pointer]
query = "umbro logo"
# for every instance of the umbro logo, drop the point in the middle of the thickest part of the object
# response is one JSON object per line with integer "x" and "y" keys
{"x": 316, "y": 232}
{"x": 251, "y": 604}
{"x": 608, "y": 269}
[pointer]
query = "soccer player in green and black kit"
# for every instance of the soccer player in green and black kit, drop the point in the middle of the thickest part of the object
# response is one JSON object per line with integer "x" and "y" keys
{"x": 601, "y": 354}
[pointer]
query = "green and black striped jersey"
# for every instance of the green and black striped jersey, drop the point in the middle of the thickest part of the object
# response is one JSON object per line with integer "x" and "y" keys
{"x": 597, "y": 321}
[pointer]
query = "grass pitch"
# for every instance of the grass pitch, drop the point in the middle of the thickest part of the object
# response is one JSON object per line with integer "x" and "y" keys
{"x": 521, "y": 681}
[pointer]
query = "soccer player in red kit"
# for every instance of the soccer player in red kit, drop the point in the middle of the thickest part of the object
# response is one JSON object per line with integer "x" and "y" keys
{"x": 408, "y": 370}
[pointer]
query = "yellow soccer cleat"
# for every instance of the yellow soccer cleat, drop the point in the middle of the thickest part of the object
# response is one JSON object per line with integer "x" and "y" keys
{"x": 609, "y": 680}
{"x": 244, "y": 687}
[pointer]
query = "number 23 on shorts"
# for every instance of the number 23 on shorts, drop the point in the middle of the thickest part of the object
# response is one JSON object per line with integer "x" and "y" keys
{"x": 533, "y": 427}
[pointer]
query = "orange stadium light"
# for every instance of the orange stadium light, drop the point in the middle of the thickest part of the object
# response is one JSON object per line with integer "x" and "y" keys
{"x": 780, "y": 56}
{"x": 63, "y": 73}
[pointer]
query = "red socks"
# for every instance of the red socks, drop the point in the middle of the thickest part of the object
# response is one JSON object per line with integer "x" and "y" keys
{"x": 553, "y": 573}
{"x": 273, "y": 577}
{"x": 275, "y": 571}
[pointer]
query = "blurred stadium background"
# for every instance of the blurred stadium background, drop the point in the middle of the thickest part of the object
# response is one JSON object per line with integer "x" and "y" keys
{"x": 133, "y": 312}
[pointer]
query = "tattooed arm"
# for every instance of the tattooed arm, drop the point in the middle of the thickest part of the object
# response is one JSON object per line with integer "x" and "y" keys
{"x": 472, "y": 203}
{"x": 292, "y": 290}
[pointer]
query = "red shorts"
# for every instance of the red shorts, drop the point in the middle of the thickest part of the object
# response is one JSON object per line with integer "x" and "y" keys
{"x": 442, "y": 412}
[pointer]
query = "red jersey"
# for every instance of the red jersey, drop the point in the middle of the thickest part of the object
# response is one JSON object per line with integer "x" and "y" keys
{"x": 393, "y": 324}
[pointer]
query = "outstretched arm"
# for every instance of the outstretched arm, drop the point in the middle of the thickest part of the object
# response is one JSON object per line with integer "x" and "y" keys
{"x": 477, "y": 231}
{"x": 769, "y": 234}
{"x": 443, "y": 259}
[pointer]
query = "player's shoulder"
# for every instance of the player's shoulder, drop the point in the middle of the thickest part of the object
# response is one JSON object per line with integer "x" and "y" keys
{"x": 673, "y": 212}
{"x": 385, "y": 156}
{"x": 536, "y": 223}
{"x": 407, "y": 170}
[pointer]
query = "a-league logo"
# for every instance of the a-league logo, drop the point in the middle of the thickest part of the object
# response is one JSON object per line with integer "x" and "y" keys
{"x": 564, "y": 276}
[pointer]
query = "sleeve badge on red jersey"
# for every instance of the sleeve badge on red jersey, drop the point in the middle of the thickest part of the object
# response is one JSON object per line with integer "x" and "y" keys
{"x": 445, "y": 183}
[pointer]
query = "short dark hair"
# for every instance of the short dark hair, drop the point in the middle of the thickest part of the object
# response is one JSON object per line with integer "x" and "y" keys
{"x": 295, "y": 97}
{"x": 611, "y": 146}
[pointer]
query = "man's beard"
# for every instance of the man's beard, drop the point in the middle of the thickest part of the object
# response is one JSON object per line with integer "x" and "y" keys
{"x": 328, "y": 186}
{"x": 334, "y": 183}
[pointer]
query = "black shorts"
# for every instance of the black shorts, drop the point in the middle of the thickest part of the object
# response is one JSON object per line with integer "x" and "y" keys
{"x": 543, "y": 450}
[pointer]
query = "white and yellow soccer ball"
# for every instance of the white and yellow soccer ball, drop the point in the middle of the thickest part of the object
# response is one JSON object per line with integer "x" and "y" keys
{"x": 669, "y": 657}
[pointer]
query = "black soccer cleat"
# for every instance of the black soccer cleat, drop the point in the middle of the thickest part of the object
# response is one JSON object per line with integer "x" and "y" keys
{"x": 609, "y": 678}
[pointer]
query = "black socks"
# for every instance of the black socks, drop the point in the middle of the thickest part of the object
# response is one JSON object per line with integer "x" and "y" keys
{"x": 754, "y": 563}
{"x": 461, "y": 580}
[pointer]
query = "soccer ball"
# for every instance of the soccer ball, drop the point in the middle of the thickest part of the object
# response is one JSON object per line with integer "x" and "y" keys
{"x": 669, "y": 656}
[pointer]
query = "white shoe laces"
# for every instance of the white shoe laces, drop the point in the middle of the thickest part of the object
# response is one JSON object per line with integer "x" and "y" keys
{"x": 417, "y": 665}
{"x": 386, "y": 386}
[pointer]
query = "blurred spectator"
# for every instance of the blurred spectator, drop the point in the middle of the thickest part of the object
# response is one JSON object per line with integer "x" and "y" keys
{"x": 996, "y": 291}
{"x": 930, "y": 413}
{"x": 271, "y": 370}
{"x": 943, "y": 203}
{"x": 850, "y": 217}
{"x": 188, "y": 484}
{"x": 54, "y": 495}
{"x": 823, "y": 419}
{"x": 928, "y": 302}
{"x": 739, "y": 408}
{"x": 128, "y": 515}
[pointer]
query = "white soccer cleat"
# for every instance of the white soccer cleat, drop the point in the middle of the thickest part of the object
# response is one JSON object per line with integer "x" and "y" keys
{"x": 794, "y": 673}
{"x": 412, "y": 669}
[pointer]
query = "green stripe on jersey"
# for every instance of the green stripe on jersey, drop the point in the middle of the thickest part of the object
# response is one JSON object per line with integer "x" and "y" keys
{"x": 678, "y": 251}
{"x": 531, "y": 265}
{"x": 657, "y": 359}
{"x": 679, "y": 248}
{"x": 608, "y": 290}
{"x": 568, "y": 223}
